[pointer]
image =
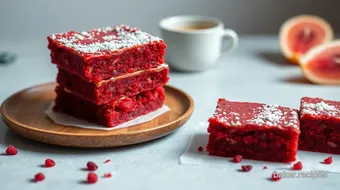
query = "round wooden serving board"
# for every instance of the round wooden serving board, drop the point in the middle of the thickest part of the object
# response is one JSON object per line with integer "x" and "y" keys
{"x": 24, "y": 113}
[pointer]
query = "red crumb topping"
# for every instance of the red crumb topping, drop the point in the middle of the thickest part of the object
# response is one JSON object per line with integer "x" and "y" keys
{"x": 91, "y": 166}
{"x": 328, "y": 160}
{"x": 11, "y": 150}
{"x": 237, "y": 159}
{"x": 246, "y": 168}
{"x": 297, "y": 166}
{"x": 275, "y": 176}
{"x": 107, "y": 175}
{"x": 39, "y": 177}
{"x": 92, "y": 177}
{"x": 200, "y": 149}
{"x": 49, "y": 163}
{"x": 265, "y": 167}
{"x": 107, "y": 161}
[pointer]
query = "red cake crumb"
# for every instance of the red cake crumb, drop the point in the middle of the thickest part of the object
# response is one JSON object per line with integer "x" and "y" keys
{"x": 200, "y": 148}
{"x": 49, "y": 163}
{"x": 107, "y": 175}
{"x": 320, "y": 121}
{"x": 246, "y": 168}
{"x": 106, "y": 52}
{"x": 112, "y": 113}
{"x": 92, "y": 177}
{"x": 255, "y": 131}
{"x": 237, "y": 158}
{"x": 297, "y": 166}
{"x": 328, "y": 160}
{"x": 126, "y": 105}
{"x": 265, "y": 167}
{"x": 275, "y": 176}
{"x": 39, "y": 177}
{"x": 91, "y": 166}
{"x": 11, "y": 150}
{"x": 107, "y": 161}
{"x": 112, "y": 89}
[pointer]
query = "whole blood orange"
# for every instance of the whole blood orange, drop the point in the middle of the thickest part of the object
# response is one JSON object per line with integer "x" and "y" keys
{"x": 299, "y": 34}
{"x": 321, "y": 65}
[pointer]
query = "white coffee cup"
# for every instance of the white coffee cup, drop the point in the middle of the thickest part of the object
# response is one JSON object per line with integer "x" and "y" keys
{"x": 194, "y": 43}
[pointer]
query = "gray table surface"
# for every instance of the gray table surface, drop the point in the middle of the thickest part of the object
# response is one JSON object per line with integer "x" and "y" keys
{"x": 255, "y": 72}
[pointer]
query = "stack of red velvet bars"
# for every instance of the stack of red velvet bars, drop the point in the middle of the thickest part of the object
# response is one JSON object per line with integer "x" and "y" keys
{"x": 109, "y": 75}
{"x": 274, "y": 133}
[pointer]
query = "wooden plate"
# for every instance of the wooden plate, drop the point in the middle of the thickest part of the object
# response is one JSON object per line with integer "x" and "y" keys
{"x": 24, "y": 113}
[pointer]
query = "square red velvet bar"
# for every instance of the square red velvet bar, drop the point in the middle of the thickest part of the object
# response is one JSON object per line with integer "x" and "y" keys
{"x": 320, "y": 125}
{"x": 112, "y": 113}
{"x": 255, "y": 131}
{"x": 106, "y": 52}
{"x": 116, "y": 87}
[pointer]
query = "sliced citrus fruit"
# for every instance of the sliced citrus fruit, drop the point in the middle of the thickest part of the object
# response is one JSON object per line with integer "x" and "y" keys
{"x": 321, "y": 65}
{"x": 299, "y": 34}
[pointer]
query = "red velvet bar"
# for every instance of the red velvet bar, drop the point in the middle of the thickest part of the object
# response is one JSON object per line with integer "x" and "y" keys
{"x": 115, "y": 88}
{"x": 320, "y": 125}
{"x": 110, "y": 114}
{"x": 255, "y": 131}
{"x": 106, "y": 52}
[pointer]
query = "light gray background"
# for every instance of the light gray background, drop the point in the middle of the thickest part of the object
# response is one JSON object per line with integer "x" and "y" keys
{"x": 35, "y": 19}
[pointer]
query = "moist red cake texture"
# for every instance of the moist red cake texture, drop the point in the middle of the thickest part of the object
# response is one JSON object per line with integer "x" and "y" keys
{"x": 255, "y": 131}
{"x": 112, "y": 113}
{"x": 320, "y": 125}
{"x": 111, "y": 89}
{"x": 106, "y": 52}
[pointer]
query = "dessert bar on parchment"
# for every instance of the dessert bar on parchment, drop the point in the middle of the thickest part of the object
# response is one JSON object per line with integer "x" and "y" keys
{"x": 253, "y": 130}
{"x": 320, "y": 125}
{"x": 110, "y": 114}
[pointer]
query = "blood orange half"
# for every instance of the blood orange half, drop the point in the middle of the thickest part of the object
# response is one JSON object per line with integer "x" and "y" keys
{"x": 299, "y": 34}
{"x": 321, "y": 64}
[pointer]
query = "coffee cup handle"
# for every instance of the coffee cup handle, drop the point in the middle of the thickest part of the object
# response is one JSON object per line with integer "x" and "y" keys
{"x": 233, "y": 37}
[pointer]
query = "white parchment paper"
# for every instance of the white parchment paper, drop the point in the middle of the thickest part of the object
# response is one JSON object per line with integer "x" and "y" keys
{"x": 67, "y": 120}
{"x": 311, "y": 161}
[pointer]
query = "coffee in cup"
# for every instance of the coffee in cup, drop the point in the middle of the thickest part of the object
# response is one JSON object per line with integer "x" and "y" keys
{"x": 194, "y": 43}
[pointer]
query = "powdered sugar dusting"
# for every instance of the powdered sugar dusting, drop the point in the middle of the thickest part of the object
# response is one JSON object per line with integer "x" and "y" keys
{"x": 268, "y": 115}
{"x": 319, "y": 108}
{"x": 272, "y": 115}
{"x": 109, "y": 37}
{"x": 103, "y": 40}
{"x": 245, "y": 113}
